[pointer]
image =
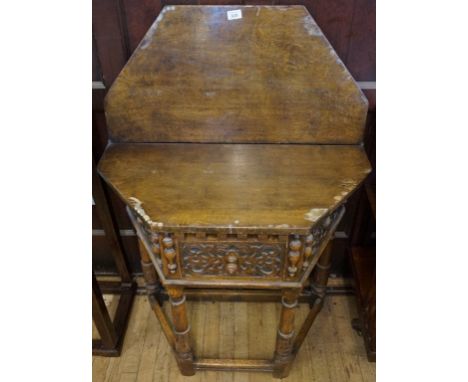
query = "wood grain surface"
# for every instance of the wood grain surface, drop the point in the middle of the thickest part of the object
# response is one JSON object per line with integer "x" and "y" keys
{"x": 234, "y": 186}
{"x": 270, "y": 76}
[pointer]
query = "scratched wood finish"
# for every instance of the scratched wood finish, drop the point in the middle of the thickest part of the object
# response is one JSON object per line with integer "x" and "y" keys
{"x": 236, "y": 185}
{"x": 270, "y": 77}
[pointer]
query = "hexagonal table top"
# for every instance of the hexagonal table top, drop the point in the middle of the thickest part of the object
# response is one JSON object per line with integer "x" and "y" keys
{"x": 235, "y": 74}
{"x": 232, "y": 187}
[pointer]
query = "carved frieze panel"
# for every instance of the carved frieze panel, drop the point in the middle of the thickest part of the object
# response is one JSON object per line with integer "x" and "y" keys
{"x": 253, "y": 259}
{"x": 257, "y": 255}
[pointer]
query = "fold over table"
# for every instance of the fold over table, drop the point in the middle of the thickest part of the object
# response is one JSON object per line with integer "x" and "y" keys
{"x": 235, "y": 140}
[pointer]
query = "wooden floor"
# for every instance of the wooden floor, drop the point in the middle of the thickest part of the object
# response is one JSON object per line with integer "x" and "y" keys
{"x": 332, "y": 352}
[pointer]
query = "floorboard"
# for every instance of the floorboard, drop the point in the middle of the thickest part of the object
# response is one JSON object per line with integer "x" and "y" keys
{"x": 332, "y": 351}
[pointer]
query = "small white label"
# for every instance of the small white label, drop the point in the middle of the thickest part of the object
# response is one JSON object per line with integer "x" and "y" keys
{"x": 234, "y": 15}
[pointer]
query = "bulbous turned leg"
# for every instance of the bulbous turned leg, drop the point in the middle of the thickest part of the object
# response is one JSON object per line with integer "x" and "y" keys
{"x": 182, "y": 347}
{"x": 319, "y": 276}
{"x": 284, "y": 356}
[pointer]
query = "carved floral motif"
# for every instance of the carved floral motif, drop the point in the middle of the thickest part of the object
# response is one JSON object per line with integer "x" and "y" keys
{"x": 234, "y": 259}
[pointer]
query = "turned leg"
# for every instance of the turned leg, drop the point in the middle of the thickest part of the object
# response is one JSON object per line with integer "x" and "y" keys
{"x": 318, "y": 287}
{"x": 153, "y": 285}
{"x": 182, "y": 346}
{"x": 284, "y": 339}
{"x": 319, "y": 277}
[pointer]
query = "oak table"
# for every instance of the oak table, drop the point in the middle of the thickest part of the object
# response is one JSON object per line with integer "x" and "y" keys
{"x": 235, "y": 140}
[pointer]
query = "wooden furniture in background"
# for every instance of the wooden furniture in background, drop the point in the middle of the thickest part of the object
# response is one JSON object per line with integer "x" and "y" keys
{"x": 112, "y": 332}
{"x": 235, "y": 143}
{"x": 363, "y": 263}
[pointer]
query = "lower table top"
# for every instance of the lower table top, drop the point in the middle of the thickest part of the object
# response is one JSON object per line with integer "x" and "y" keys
{"x": 234, "y": 186}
